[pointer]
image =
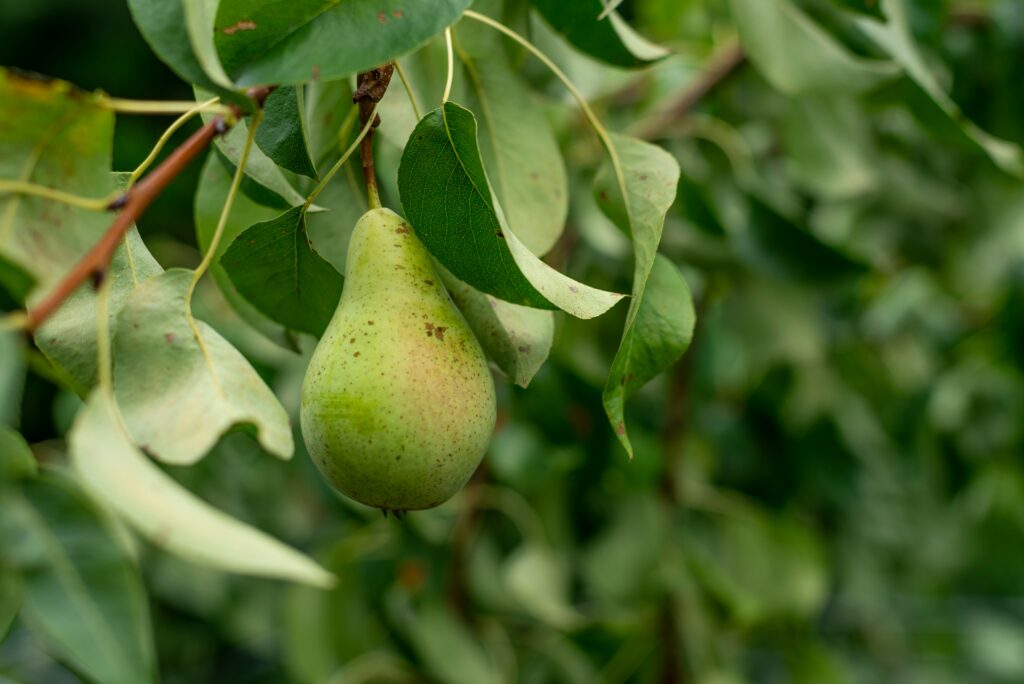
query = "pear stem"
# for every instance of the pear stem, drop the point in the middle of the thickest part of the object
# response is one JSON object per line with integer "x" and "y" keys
{"x": 370, "y": 88}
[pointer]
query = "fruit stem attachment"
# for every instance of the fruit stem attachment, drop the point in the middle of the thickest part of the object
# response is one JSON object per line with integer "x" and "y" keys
{"x": 370, "y": 88}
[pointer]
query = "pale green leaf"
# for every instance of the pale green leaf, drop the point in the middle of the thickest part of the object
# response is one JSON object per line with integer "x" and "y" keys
{"x": 169, "y": 516}
{"x": 797, "y": 56}
{"x": 180, "y": 385}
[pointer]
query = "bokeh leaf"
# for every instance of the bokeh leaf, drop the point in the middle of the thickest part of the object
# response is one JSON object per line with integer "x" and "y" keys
{"x": 448, "y": 200}
{"x": 12, "y": 376}
{"x": 797, "y": 56}
{"x": 82, "y": 594}
{"x": 16, "y": 459}
{"x": 269, "y": 42}
{"x": 609, "y": 39}
{"x": 180, "y": 385}
{"x": 450, "y": 652}
{"x": 107, "y": 461}
{"x": 282, "y": 134}
{"x": 274, "y": 267}
{"x": 659, "y": 331}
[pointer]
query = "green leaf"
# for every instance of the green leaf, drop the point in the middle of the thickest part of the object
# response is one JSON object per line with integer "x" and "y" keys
{"x": 449, "y": 651}
{"x": 780, "y": 247}
{"x": 285, "y": 43}
{"x": 180, "y": 385}
{"x": 17, "y": 281}
{"x": 16, "y": 459}
{"x": 59, "y": 137}
{"x": 170, "y": 33}
{"x": 82, "y": 594}
{"x": 273, "y": 266}
{"x": 12, "y": 376}
{"x": 168, "y": 515}
{"x": 214, "y": 183}
{"x": 538, "y": 580}
{"x": 516, "y": 142}
{"x": 199, "y": 16}
{"x": 659, "y": 331}
{"x": 896, "y": 38}
{"x": 797, "y": 56}
{"x": 282, "y": 134}
{"x": 829, "y": 147}
{"x": 10, "y": 598}
{"x": 448, "y": 200}
{"x": 610, "y": 39}
{"x": 517, "y": 338}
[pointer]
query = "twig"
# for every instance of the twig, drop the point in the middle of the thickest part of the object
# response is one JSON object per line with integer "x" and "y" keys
{"x": 132, "y": 205}
{"x": 719, "y": 67}
{"x": 370, "y": 88}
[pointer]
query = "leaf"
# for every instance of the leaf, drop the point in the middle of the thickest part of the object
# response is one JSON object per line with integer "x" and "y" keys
{"x": 517, "y": 338}
{"x": 17, "y": 281}
{"x": 797, "y": 56}
{"x": 10, "y": 598}
{"x": 199, "y": 16}
{"x": 273, "y": 266}
{"x": 12, "y": 376}
{"x": 896, "y": 38}
{"x": 59, "y": 137}
{"x": 104, "y": 457}
{"x": 829, "y": 147}
{"x": 448, "y": 200}
{"x": 180, "y": 385}
{"x": 282, "y": 134}
{"x": 16, "y": 459}
{"x": 538, "y": 579}
{"x": 285, "y": 43}
{"x": 82, "y": 594}
{"x": 170, "y": 27}
{"x": 211, "y": 194}
{"x": 780, "y": 247}
{"x": 447, "y": 649}
{"x": 516, "y": 143}
{"x": 610, "y": 39}
{"x": 656, "y": 332}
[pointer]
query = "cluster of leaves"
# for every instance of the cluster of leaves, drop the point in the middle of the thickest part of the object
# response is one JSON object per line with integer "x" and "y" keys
{"x": 817, "y": 486}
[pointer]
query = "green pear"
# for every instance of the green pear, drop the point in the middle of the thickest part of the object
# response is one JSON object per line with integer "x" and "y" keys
{"x": 398, "y": 402}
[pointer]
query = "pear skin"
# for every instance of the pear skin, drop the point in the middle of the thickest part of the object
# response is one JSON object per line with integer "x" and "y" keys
{"x": 398, "y": 401}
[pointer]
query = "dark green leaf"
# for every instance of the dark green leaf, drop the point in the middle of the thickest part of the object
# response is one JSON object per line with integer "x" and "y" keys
{"x": 609, "y": 39}
{"x": 10, "y": 598}
{"x": 164, "y": 26}
{"x": 12, "y": 376}
{"x": 290, "y": 42}
{"x": 17, "y": 281}
{"x": 82, "y": 594}
{"x": 448, "y": 200}
{"x": 783, "y": 248}
{"x": 273, "y": 266}
{"x": 282, "y": 134}
{"x": 651, "y": 341}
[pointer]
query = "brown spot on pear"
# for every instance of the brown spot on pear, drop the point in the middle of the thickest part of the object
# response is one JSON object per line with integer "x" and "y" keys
{"x": 405, "y": 394}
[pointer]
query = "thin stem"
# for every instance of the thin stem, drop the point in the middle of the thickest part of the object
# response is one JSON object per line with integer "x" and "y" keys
{"x": 344, "y": 158}
{"x": 26, "y": 188}
{"x": 408, "y": 90}
{"x": 211, "y": 251}
{"x": 451, "y": 64}
{"x": 126, "y": 106}
{"x": 104, "y": 371}
{"x": 178, "y": 123}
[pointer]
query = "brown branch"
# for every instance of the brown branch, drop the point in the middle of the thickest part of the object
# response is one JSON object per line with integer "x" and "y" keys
{"x": 370, "y": 88}
{"x": 132, "y": 205}
{"x": 718, "y": 68}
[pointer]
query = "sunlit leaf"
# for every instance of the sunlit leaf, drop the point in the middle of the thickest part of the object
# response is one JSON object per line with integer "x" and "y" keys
{"x": 168, "y": 515}
{"x": 609, "y": 39}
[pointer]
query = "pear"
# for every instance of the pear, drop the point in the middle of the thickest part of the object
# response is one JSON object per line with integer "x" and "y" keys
{"x": 398, "y": 401}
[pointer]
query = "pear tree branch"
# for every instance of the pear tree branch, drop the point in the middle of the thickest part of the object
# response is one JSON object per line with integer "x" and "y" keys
{"x": 130, "y": 206}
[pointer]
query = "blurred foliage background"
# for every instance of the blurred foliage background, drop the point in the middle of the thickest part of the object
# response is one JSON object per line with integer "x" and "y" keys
{"x": 828, "y": 487}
